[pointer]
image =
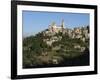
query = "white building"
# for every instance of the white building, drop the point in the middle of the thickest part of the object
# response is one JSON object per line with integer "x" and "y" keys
{"x": 54, "y": 28}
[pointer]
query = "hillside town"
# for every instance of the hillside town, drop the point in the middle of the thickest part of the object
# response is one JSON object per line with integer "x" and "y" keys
{"x": 81, "y": 33}
{"x": 57, "y": 45}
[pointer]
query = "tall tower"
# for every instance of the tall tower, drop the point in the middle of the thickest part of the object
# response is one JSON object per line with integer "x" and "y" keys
{"x": 53, "y": 26}
{"x": 62, "y": 25}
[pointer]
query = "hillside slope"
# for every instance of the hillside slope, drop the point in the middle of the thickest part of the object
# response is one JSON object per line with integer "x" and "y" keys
{"x": 66, "y": 47}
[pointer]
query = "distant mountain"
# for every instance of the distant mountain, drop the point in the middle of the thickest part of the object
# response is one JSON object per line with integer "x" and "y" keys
{"x": 57, "y": 46}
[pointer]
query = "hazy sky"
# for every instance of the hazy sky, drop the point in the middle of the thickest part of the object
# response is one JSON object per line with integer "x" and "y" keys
{"x": 34, "y": 22}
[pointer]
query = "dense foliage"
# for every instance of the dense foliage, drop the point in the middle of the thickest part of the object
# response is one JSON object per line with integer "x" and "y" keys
{"x": 37, "y": 53}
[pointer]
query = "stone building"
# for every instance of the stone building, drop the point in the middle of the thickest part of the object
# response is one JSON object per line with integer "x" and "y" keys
{"x": 54, "y": 28}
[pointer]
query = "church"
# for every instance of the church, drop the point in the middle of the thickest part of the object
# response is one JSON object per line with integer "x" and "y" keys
{"x": 54, "y": 28}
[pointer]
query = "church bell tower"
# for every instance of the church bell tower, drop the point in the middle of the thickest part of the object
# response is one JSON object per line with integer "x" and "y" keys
{"x": 62, "y": 25}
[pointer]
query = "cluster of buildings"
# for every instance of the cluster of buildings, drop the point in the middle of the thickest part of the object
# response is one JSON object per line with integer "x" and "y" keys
{"x": 54, "y": 28}
{"x": 78, "y": 32}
